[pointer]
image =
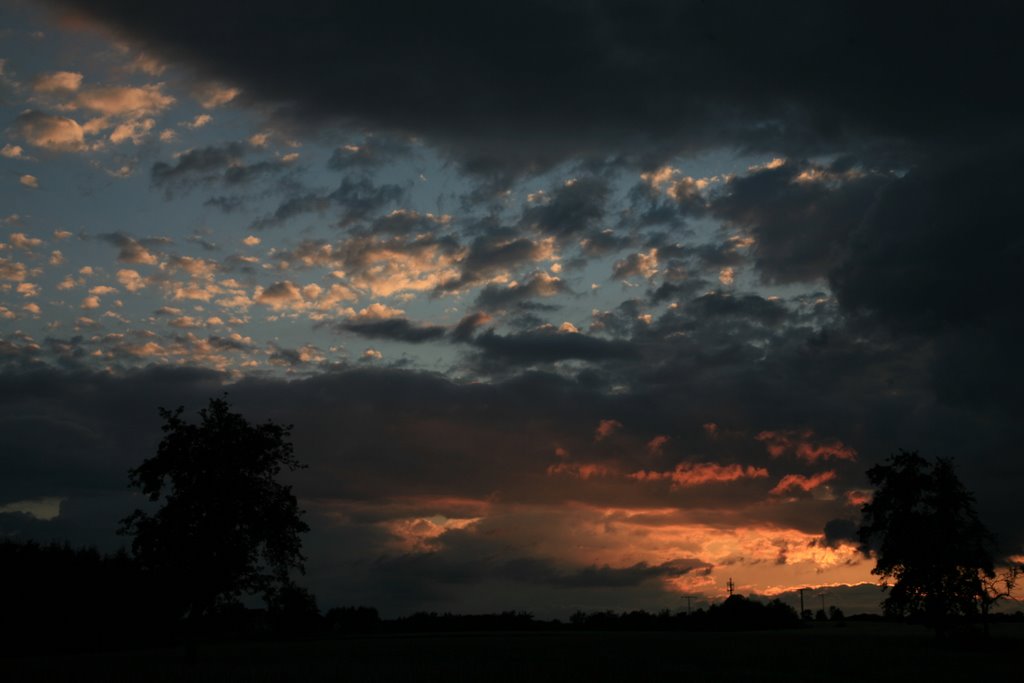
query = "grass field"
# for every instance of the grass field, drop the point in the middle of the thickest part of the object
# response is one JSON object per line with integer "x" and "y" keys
{"x": 855, "y": 652}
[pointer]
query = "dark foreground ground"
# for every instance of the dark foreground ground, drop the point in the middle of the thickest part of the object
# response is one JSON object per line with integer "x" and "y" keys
{"x": 853, "y": 652}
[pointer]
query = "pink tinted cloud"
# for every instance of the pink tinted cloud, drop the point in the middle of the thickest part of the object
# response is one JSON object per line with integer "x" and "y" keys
{"x": 801, "y": 443}
{"x": 857, "y": 497}
{"x": 583, "y": 470}
{"x": 792, "y": 482}
{"x": 606, "y": 428}
{"x": 655, "y": 445}
{"x": 695, "y": 474}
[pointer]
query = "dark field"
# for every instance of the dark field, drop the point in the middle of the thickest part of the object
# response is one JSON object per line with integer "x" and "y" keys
{"x": 855, "y": 652}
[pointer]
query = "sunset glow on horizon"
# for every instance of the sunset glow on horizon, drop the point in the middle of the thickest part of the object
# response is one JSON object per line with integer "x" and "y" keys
{"x": 579, "y": 319}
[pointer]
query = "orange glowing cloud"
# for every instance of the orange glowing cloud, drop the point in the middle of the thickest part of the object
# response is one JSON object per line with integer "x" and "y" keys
{"x": 655, "y": 445}
{"x": 792, "y": 482}
{"x": 857, "y": 497}
{"x": 417, "y": 534}
{"x": 696, "y": 474}
{"x": 606, "y": 428}
{"x": 580, "y": 470}
{"x": 757, "y": 556}
{"x": 800, "y": 444}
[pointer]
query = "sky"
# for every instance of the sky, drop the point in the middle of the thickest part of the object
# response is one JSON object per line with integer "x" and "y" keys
{"x": 576, "y": 305}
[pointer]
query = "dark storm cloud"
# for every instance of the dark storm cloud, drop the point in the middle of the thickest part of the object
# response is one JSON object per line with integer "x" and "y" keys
{"x": 598, "y": 243}
{"x": 405, "y": 222}
{"x": 549, "y": 346}
{"x": 681, "y": 198}
{"x": 371, "y": 436}
{"x": 394, "y": 329}
{"x": 228, "y": 343}
{"x": 83, "y": 521}
{"x": 569, "y": 209}
{"x": 369, "y": 153}
{"x": 202, "y": 241}
{"x": 213, "y": 164}
{"x": 59, "y": 441}
{"x": 711, "y": 255}
{"x": 355, "y": 200}
{"x": 196, "y": 164}
{"x": 499, "y": 297}
{"x": 294, "y": 206}
{"x": 800, "y": 215}
{"x": 839, "y": 531}
{"x": 240, "y": 174}
{"x": 226, "y": 203}
{"x": 283, "y": 356}
{"x": 499, "y": 251}
{"x": 901, "y": 192}
{"x": 679, "y": 289}
{"x": 134, "y": 250}
{"x": 441, "y": 568}
{"x": 587, "y": 78}
{"x": 749, "y": 308}
{"x": 941, "y": 249}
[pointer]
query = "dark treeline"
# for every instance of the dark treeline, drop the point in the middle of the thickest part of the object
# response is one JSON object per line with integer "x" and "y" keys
{"x": 76, "y": 599}
{"x": 56, "y": 597}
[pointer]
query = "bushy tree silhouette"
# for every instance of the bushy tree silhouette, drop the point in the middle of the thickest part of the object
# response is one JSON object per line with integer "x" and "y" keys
{"x": 927, "y": 538}
{"x": 226, "y": 526}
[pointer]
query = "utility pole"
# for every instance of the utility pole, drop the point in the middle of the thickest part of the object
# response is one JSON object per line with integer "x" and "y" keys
{"x": 730, "y": 586}
{"x": 801, "y": 592}
{"x": 688, "y": 598}
{"x": 822, "y": 596}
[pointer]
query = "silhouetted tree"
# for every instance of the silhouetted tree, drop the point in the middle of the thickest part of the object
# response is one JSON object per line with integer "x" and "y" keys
{"x": 226, "y": 527}
{"x": 927, "y": 539}
{"x": 998, "y": 587}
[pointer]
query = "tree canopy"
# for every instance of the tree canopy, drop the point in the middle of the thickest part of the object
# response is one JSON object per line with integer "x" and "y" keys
{"x": 927, "y": 538}
{"x": 226, "y": 527}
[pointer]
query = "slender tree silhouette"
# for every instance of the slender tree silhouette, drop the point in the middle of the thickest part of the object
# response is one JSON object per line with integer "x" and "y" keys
{"x": 927, "y": 538}
{"x": 226, "y": 527}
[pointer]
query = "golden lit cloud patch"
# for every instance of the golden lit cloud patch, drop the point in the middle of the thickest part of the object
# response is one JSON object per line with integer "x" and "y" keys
{"x": 57, "y": 81}
{"x": 131, "y": 280}
{"x": 213, "y": 95}
{"x": 280, "y": 295}
{"x": 117, "y": 100}
{"x": 20, "y": 240}
{"x": 57, "y": 133}
{"x": 419, "y": 534}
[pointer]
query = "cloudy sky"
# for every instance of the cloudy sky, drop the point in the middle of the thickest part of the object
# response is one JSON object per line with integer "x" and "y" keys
{"x": 573, "y": 305}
